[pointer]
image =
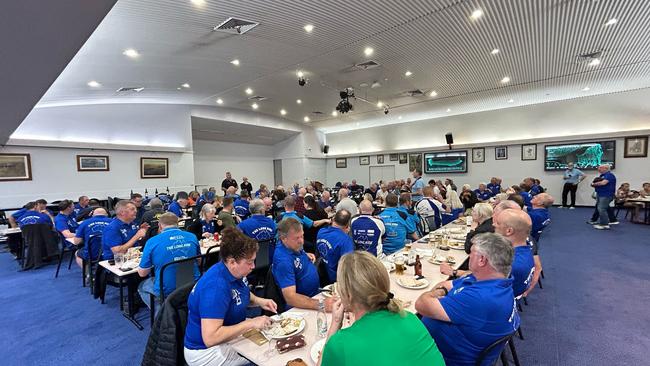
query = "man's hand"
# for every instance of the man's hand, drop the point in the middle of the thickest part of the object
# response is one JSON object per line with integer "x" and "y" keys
{"x": 446, "y": 269}
{"x": 311, "y": 257}
{"x": 260, "y": 322}
{"x": 207, "y": 235}
{"x": 329, "y": 303}
{"x": 269, "y": 305}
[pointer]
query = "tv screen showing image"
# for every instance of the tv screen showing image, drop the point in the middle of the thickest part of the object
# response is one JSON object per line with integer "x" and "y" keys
{"x": 445, "y": 162}
{"x": 584, "y": 155}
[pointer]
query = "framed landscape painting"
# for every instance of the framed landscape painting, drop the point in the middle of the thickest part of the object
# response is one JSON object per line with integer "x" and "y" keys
{"x": 392, "y": 157}
{"x": 92, "y": 163}
{"x": 364, "y": 160}
{"x": 15, "y": 167}
{"x": 154, "y": 168}
{"x": 341, "y": 162}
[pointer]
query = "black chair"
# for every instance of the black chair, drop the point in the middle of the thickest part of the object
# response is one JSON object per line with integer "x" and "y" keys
{"x": 499, "y": 343}
{"x": 274, "y": 292}
{"x": 262, "y": 261}
{"x": 66, "y": 247}
{"x": 184, "y": 275}
{"x": 321, "y": 268}
{"x": 210, "y": 258}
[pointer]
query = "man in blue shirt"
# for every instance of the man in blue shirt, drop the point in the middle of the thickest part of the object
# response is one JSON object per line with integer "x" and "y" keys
{"x": 368, "y": 231}
{"x": 179, "y": 205}
{"x": 430, "y": 210}
{"x": 122, "y": 233}
{"x": 38, "y": 206}
{"x": 398, "y": 226}
{"x": 325, "y": 201}
{"x": 466, "y": 315}
{"x": 572, "y": 177}
{"x": 515, "y": 226}
{"x": 527, "y": 197}
{"x": 417, "y": 185}
{"x": 405, "y": 204}
{"x": 605, "y": 186}
{"x": 533, "y": 188}
{"x": 494, "y": 186}
{"x": 65, "y": 222}
{"x": 539, "y": 215}
{"x": 137, "y": 200}
{"x": 93, "y": 226}
{"x": 34, "y": 214}
{"x": 294, "y": 270}
{"x": 241, "y": 205}
{"x": 169, "y": 245}
{"x": 333, "y": 242}
{"x": 482, "y": 193}
{"x": 80, "y": 205}
{"x": 258, "y": 226}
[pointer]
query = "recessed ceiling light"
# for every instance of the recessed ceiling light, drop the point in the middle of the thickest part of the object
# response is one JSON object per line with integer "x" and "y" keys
{"x": 594, "y": 62}
{"x": 586, "y": 88}
{"x": 254, "y": 106}
{"x": 219, "y": 101}
{"x": 298, "y": 101}
{"x": 505, "y": 80}
{"x": 300, "y": 74}
{"x": 334, "y": 114}
{"x": 131, "y": 52}
{"x": 511, "y": 100}
{"x": 408, "y": 73}
{"x": 433, "y": 93}
{"x": 476, "y": 14}
{"x": 186, "y": 86}
{"x": 306, "y": 119}
{"x": 94, "y": 84}
{"x": 380, "y": 104}
{"x": 283, "y": 112}
{"x": 495, "y": 51}
{"x": 309, "y": 28}
{"x": 448, "y": 110}
{"x": 235, "y": 62}
{"x": 611, "y": 22}
{"x": 179, "y": 88}
{"x": 368, "y": 51}
{"x": 198, "y": 2}
{"x": 249, "y": 91}
{"x": 400, "y": 117}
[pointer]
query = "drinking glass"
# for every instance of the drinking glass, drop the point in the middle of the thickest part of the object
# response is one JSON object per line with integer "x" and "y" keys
{"x": 399, "y": 265}
{"x": 119, "y": 259}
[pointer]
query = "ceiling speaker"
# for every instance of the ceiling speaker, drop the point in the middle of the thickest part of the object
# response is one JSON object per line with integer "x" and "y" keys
{"x": 326, "y": 149}
{"x": 450, "y": 138}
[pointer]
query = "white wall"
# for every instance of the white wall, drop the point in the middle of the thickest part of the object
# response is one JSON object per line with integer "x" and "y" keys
{"x": 55, "y": 175}
{"x": 512, "y": 171}
{"x": 212, "y": 159}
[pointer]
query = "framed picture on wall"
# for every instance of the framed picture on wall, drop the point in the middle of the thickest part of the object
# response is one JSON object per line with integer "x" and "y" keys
{"x": 92, "y": 163}
{"x": 636, "y": 147}
{"x": 364, "y": 160}
{"x": 392, "y": 157}
{"x": 154, "y": 168}
{"x": 501, "y": 153}
{"x": 15, "y": 167}
{"x": 403, "y": 159}
{"x": 478, "y": 155}
{"x": 415, "y": 162}
{"x": 341, "y": 162}
{"x": 380, "y": 159}
{"x": 529, "y": 152}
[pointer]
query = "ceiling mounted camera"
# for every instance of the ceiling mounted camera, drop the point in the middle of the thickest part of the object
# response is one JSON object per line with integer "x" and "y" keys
{"x": 302, "y": 81}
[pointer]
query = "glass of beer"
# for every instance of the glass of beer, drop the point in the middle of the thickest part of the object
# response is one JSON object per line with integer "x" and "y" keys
{"x": 399, "y": 265}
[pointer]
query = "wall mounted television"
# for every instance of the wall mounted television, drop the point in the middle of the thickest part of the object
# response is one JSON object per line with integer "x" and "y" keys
{"x": 445, "y": 162}
{"x": 584, "y": 155}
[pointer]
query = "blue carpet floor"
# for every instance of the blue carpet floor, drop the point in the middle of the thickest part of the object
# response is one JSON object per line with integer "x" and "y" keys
{"x": 592, "y": 310}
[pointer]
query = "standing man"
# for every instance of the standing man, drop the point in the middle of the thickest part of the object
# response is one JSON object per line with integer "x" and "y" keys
{"x": 228, "y": 182}
{"x": 417, "y": 186}
{"x": 605, "y": 186}
{"x": 246, "y": 185}
{"x": 572, "y": 177}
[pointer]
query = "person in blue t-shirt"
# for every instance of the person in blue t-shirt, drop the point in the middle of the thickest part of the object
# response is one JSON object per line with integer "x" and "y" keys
{"x": 539, "y": 215}
{"x": 494, "y": 186}
{"x": 515, "y": 226}
{"x": 171, "y": 244}
{"x": 398, "y": 226}
{"x": 65, "y": 222}
{"x": 122, "y": 233}
{"x": 35, "y": 213}
{"x": 482, "y": 193}
{"x": 81, "y": 205}
{"x": 289, "y": 208}
{"x": 38, "y": 206}
{"x": 605, "y": 186}
{"x": 368, "y": 231}
{"x": 417, "y": 185}
{"x": 405, "y": 204}
{"x": 527, "y": 197}
{"x": 572, "y": 177}
{"x": 333, "y": 242}
{"x": 218, "y": 302}
{"x": 93, "y": 226}
{"x": 258, "y": 226}
{"x": 241, "y": 205}
{"x": 177, "y": 207}
{"x": 467, "y": 315}
{"x": 294, "y": 270}
{"x": 137, "y": 200}
{"x": 204, "y": 226}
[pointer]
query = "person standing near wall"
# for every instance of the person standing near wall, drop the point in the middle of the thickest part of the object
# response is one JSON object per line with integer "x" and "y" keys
{"x": 572, "y": 177}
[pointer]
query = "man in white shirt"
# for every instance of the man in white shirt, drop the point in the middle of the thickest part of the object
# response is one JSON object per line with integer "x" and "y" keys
{"x": 346, "y": 203}
{"x": 429, "y": 207}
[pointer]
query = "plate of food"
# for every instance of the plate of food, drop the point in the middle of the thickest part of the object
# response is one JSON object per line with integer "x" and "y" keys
{"x": 439, "y": 259}
{"x": 458, "y": 245}
{"x": 316, "y": 350}
{"x": 413, "y": 283}
{"x": 331, "y": 290}
{"x": 285, "y": 325}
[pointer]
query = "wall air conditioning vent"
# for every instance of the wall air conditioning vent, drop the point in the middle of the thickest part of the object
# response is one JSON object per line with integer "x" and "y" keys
{"x": 368, "y": 65}
{"x": 258, "y": 98}
{"x": 413, "y": 93}
{"x": 126, "y": 89}
{"x": 235, "y": 26}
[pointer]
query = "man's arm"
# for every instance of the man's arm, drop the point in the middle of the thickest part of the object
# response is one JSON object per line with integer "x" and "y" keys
{"x": 428, "y": 304}
{"x": 124, "y": 247}
{"x": 144, "y": 272}
{"x": 12, "y": 221}
{"x": 297, "y": 300}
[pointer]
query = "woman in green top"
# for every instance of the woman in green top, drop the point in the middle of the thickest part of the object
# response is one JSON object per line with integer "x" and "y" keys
{"x": 383, "y": 333}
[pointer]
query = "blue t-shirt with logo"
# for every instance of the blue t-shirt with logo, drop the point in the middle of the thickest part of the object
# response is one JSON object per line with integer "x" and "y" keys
{"x": 332, "y": 243}
{"x": 77, "y": 209}
{"x": 523, "y": 267}
{"x": 241, "y": 208}
{"x": 483, "y": 196}
{"x": 217, "y": 295}
{"x": 398, "y": 226}
{"x": 609, "y": 189}
{"x": 260, "y": 228}
{"x": 480, "y": 313}
{"x": 413, "y": 216}
{"x": 541, "y": 219}
{"x": 92, "y": 226}
{"x": 527, "y": 199}
{"x": 33, "y": 217}
{"x": 65, "y": 222}
{"x": 176, "y": 209}
{"x": 116, "y": 233}
{"x": 494, "y": 188}
{"x": 208, "y": 226}
{"x": 295, "y": 269}
{"x": 170, "y": 245}
{"x": 306, "y": 221}
{"x": 368, "y": 233}
{"x": 535, "y": 190}
{"x": 18, "y": 214}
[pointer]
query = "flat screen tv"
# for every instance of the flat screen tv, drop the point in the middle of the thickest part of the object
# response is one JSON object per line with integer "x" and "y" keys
{"x": 445, "y": 162}
{"x": 584, "y": 155}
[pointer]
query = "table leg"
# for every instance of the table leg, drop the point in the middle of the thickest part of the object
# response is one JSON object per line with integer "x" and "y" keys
{"x": 131, "y": 289}
{"x": 121, "y": 293}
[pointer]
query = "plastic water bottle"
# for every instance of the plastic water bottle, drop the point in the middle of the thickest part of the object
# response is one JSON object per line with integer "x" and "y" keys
{"x": 321, "y": 319}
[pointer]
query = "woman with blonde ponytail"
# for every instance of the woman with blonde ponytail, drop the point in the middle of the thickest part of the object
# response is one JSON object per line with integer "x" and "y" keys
{"x": 383, "y": 332}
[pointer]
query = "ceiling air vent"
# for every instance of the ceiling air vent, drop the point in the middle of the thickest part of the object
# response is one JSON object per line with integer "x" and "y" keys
{"x": 125, "y": 89}
{"x": 317, "y": 113}
{"x": 368, "y": 65}
{"x": 235, "y": 26}
{"x": 414, "y": 93}
{"x": 258, "y": 98}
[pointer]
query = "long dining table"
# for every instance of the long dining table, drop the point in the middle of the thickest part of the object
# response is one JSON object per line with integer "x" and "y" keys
{"x": 264, "y": 355}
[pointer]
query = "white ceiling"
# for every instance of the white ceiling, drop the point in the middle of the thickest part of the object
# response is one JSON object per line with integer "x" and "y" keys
{"x": 539, "y": 41}
{"x": 218, "y": 130}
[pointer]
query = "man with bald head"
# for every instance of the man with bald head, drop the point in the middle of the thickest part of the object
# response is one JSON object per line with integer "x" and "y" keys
{"x": 515, "y": 226}
{"x": 539, "y": 215}
{"x": 93, "y": 226}
{"x": 367, "y": 231}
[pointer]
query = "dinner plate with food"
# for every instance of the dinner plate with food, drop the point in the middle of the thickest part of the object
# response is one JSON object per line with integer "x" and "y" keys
{"x": 458, "y": 245}
{"x": 439, "y": 259}
{"x": 331, "y": 290}
{"x": 285, "y": 325}
{"x": 316, "y": 350}
{"x": 413, "y": 283}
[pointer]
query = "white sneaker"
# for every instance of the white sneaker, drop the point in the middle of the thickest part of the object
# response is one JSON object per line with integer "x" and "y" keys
{"x": 613, "y": 222}
{"x": 561, "y": 207}
{"x": 601, "y": 227}
{"x": 572, "y": 208}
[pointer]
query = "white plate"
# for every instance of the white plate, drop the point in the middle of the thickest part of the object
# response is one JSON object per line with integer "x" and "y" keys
{"x": 425, "y": 284}
{"x": 316, "y": 349}
{"x": 390, "y": 267}
{"x": 301, "y": 327}
{"x": 328, "y": 287}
